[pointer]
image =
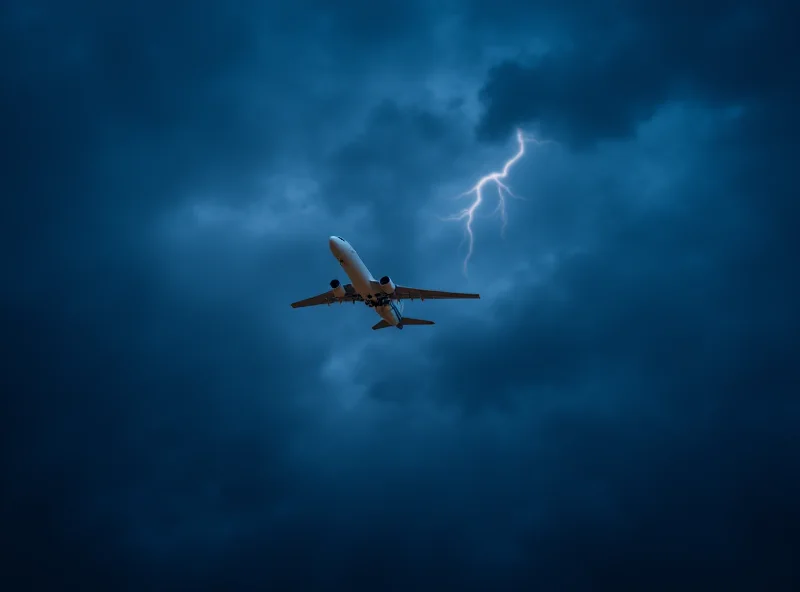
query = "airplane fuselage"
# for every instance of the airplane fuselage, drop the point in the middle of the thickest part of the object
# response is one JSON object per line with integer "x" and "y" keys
{"x": 383, "y": 295}
{"x": 363, "y": 281}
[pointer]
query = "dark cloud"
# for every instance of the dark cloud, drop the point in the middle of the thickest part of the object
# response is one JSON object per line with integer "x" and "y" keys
{"x": 393, "y": 166}
{"x": 618, "y": 411}
{"x": 619, "y": 67}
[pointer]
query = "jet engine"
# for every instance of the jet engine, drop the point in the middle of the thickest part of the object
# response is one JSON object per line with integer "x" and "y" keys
{"x": 338, "y": 289}
{"x": 387, "y": 285}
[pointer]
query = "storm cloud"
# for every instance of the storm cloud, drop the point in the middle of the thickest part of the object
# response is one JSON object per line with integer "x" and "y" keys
{"x": 618, "y": 410}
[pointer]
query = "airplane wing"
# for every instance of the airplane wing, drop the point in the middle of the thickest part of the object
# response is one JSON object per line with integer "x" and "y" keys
{"x": 404, "y": 293}
{"x": 328, "y": 298}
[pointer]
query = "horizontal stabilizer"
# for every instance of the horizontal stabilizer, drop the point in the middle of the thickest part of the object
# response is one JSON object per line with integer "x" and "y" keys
{"x": 380, "y": 325}
{"x": 407, "y": 321}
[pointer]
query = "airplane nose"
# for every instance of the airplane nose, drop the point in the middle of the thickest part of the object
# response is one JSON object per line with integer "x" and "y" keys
{"x": 333, "y": 243}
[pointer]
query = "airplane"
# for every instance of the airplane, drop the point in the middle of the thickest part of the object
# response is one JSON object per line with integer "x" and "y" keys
{"x": 383, "y": 295}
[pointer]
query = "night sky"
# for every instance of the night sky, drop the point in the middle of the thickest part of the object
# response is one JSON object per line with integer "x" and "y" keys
{"x": 619, "y": 411}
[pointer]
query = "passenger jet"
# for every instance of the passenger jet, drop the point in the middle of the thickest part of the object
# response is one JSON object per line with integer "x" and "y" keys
{"x": 384, "y": 295}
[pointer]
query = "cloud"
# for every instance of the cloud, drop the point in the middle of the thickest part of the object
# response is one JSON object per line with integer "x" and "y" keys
{"x": 617, "y": 409}
{"x": 601, "y": 86}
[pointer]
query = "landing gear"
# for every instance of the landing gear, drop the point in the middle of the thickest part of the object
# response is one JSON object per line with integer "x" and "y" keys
{"x": 378, "y": 300}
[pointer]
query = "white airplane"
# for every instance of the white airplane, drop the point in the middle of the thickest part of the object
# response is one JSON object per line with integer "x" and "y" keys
{"x": 380, "y": 295}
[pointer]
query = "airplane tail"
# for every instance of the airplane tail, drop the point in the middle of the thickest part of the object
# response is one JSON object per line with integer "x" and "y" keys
{"x": 408, "y": 321}
{"x": 403, "y": 322}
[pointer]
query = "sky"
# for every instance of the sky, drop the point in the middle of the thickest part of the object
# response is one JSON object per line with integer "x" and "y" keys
{"x": 618, "y": 411}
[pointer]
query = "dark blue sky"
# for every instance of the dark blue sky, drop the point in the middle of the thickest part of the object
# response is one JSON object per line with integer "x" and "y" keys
{"x": 620, "y": 409}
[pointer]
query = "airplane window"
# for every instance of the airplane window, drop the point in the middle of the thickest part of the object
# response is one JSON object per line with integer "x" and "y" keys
{"x": 340, "y": 238}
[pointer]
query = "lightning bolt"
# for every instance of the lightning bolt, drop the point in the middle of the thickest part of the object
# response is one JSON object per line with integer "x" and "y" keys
{"x": 503, "y": 191}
